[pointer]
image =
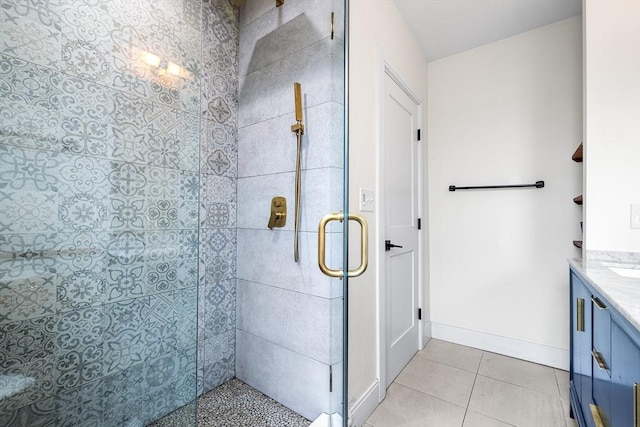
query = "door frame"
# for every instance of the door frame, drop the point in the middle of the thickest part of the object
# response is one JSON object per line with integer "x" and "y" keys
{"x": 381, "y": 285}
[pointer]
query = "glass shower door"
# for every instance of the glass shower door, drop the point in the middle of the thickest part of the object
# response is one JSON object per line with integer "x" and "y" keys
{"x": 99, "y": 200}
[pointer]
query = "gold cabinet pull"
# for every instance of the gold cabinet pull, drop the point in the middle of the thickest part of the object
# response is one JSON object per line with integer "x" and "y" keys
{"x": 595, "y": 413}
{"x": 364, "y": 248}
{"x": 599, "y": 360}
{"x": 598, "y": 302}
{"x": 636, "y": 405}
{"x": 580, "y": 315}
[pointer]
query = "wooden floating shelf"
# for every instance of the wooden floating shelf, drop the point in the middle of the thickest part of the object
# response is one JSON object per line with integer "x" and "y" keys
{"x": 578, "y": 200}
{"x": 577, "y": 244}
{"x": 577, "y": 155}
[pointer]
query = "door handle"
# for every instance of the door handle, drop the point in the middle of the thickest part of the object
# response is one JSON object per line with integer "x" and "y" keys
{"x": 388, "y": 245}
{"x": 595, "y": 414}
{"x": 364, "y": 245}
{"x": 602, "y": 364}
{"x": 580, "y": 314}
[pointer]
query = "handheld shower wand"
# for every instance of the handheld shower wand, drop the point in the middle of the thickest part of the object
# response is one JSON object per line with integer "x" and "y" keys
{"x": 298, "y": 129}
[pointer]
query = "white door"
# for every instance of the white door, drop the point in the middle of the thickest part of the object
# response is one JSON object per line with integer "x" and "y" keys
{"x": 400, "y": 180}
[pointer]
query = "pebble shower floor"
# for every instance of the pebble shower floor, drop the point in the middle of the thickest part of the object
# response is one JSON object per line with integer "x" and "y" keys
{"x": 235, "y": 404}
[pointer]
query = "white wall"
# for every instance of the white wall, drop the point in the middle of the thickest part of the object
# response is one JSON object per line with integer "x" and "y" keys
{"x": 612, "y": 123}
{"x": 506, "y": 113}
{"x": 377, "y": 33}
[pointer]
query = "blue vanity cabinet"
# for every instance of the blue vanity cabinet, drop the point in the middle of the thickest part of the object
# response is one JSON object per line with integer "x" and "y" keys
{"x": 580, "y": 373}
{"x": 605, "y": 360}
{"x": 625, "y": 375}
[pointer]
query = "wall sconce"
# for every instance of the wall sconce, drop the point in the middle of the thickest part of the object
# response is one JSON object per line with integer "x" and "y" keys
{"x": 164, "y": 67}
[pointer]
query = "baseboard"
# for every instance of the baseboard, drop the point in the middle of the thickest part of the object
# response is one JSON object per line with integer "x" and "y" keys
{"x": 427, "y": 333}
{"x": 532, "y": 352}
{"x": 362, "y": 409}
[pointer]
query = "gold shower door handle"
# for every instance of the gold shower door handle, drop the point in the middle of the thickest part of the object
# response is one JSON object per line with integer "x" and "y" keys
{"x": 364, "y": 245}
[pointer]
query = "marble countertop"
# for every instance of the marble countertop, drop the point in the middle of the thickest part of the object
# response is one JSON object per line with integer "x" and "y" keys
{"x": 621, "y": 292}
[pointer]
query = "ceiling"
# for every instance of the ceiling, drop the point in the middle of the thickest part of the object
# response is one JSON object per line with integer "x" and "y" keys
{"x": 447, "y": 27}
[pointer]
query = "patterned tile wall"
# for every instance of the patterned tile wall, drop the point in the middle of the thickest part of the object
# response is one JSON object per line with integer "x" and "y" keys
{"x": 118, "y": 168}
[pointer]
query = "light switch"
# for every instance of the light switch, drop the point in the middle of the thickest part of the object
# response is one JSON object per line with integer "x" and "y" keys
{"x": 367, "y": 200}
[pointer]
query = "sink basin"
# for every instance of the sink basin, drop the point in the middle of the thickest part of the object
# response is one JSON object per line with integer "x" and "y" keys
{"x": 633, "y": 273}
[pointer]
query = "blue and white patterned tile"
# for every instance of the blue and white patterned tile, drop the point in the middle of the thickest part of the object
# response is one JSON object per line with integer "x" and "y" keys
{"x": 120, "y": 392}
{"x": 124, "y": 336}
{"x": 29, "y": 111}
{"x": 84, "y": 175}
{"x": 128, "y": 179}
{"x": 82, "y": 253}
{"x": 220, "y": 97}
{"x": 218, "y": 202}
{"x": 80, "y": 289}
{"x": 171, "y": 275}
{"x": 149, "y": 390}
{"x": 86, "y": 28}
{"x": 126, "y": 248}
{"x": 220, "y": 35}
{"x": 80, "y": 336}
{"x": 219, "y": 359}
{"x": 29, "y": 211}
{"x": 125, "y": 277}
{"x": 127, "y": 213}
{"x": 28, "y": 255}
{"x": 172, "y": 320}
{"x": 31, "y": 30}
{"x": 220, "y": 308}
{"x": 172, "y": 138}
{"x": 39, "y": 414}
{"x": 27, "y": 297}
{"x": 164, "y": 245}
{"x": 81, "y": 406}
{"x": 164, "y": 183}
{"x": 190, "y": 184}
{"x": 37, "y": 383}
{"x": 163, "y": 214}
{"x": 218, "y": 253}
{"x": 124, "y": 282}
{"x": 218, "y": 149}
{"x": 27, "y": 341}
{"x": 23, "y": 169}
{"x": 168, "y": 214}
{"x": 84, "y": 212}
{"x": 85, "y": 122}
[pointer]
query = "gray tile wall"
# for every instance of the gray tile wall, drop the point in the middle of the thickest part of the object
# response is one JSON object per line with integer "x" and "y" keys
{"x": 289, "y": 314}
{"x": 117, "y": 208}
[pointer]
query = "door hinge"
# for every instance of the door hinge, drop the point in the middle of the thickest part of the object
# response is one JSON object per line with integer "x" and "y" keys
{"x": 418, "y": 134}
{"x": 419, "y": 223}
{"x": 330, "y": 379}
{"x": 419, "y": 314}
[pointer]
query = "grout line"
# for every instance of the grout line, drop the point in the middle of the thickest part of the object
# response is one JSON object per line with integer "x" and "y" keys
{"x": 424, "y": 393}
{"x": 466, "y": 409}
{"x": 480, "y": 362}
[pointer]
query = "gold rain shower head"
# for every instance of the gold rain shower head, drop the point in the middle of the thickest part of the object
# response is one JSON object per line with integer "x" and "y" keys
{"x": 279, "y": 3}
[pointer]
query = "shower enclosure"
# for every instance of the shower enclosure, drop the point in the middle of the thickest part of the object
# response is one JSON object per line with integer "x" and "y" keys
{"x": 141, "y": 143}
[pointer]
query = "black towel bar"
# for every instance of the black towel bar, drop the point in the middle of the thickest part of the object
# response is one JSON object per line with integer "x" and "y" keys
{"x": 538, "y": 184}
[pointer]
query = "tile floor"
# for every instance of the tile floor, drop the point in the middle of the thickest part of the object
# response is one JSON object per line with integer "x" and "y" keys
{"x": 448, "y": 385}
